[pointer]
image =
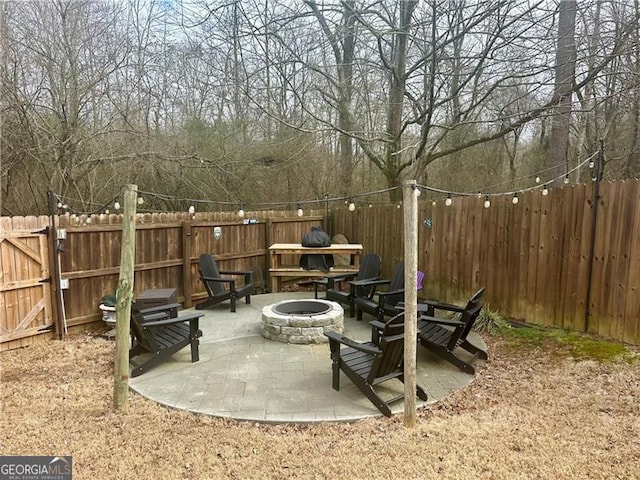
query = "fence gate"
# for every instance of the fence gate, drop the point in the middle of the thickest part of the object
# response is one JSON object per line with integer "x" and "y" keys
{"x": 25, "y": 286}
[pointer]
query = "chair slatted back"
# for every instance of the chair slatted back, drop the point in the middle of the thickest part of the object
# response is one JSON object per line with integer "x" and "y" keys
{"x": 209, "y": 268}
{"x": 369, "y": 268}
{"x": 396, "y": 283}
{"x": 392, "y": 346}
{"x": 468, "y": 318}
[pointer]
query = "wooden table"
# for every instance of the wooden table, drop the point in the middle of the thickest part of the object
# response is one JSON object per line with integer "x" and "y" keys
{"x": 278, "y": 270}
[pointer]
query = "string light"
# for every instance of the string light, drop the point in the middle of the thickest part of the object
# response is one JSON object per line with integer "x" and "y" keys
{"x": 350, "y": 201}
{"x": 192, "y": 209}
{"x": 487, "y": 202}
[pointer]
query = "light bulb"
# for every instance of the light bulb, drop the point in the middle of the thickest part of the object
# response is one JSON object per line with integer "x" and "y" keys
{"x": 241, "y": 212}
{"x": 487, "y": 202}
{"x": 433, "y": 203}
{"x": 106, "y": 211}
{"x": 300, "y": 211}
{"x": 116, "y": 205}
{"x": 352, "y": 206}
{"x": 448, "y": 201}
{"x": 537, "y": 178}
{"x": 60, "y": 205}
{"x": 371, "y": 205}
{"x": 592, "y": 164}
{"x": 545, "y": 190}
{"x": 566, "y": 179}
{"x": 87, "y": 220}
{"x": 140, "y": 200}
{"x": 416, "y": 191}
{"x": 192, "y": 209}
{"x": 515, "y": 199}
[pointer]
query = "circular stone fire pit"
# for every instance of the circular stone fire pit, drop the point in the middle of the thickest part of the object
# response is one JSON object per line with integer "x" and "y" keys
{"x": 301, "y": 321}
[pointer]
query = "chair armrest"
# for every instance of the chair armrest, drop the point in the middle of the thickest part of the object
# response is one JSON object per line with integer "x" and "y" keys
{"x": 388, "y": 293}
{"x": 441, "y": 321}
{"x": 434, "y": 304}
{"x": 158, "y": 308}
{"x": 235, "y": 272}
{"x": 248, "y": 274}
{"x": 189, "y": 317}
{"x": 377, "y": 324}
{"x": 369, "y": 281}
{"x": 218, "y": 279}
{"x": 335, "y": 337}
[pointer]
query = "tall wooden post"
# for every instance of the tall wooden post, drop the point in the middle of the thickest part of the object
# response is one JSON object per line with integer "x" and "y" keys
{"x": 124, "y": 294}
{"x": 410, "y": 200}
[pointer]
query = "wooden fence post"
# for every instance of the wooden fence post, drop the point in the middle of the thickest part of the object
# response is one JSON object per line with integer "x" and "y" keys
{"x": 124, "y": 294}
{"x": 186, "y": 263}
{"x": 410, "y": 201}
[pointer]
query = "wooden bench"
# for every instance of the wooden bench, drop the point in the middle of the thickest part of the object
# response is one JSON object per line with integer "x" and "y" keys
{"x": 278, "y": 271}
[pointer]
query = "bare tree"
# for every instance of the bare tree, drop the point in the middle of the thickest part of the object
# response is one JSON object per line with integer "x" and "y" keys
{"x": 565, "y": 67}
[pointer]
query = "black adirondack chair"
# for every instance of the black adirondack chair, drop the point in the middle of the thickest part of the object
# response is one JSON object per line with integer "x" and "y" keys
{"x": 444, "y": 336}
{"x": 221, "y": 288}
{"x": 157, "y": 332}
{"x": 368, "y": 365}
{"x": 379, "y": 303}
{"x": 369, "y": 270}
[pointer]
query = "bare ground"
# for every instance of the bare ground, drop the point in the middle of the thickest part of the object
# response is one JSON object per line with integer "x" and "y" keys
{"x": 533, "y": 412}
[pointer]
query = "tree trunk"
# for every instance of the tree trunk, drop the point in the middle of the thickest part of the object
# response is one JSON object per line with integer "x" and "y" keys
{"x": 557, "y": 160}
{"x": 397, "y": 90}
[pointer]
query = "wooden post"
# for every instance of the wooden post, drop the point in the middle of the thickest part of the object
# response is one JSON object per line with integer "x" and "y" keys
{"x": 124, "y": 294}
{"x": 410, "y": 201}
{"x": 54, "y": 259}
{"x": 186, "y": 264}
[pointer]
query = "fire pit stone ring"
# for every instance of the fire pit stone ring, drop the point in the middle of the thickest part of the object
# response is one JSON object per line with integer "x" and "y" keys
{"x": 301, "y": 321}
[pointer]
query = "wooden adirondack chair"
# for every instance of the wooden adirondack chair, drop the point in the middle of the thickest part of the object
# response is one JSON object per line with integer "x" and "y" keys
{"x": 155, "y": 331}
{"x": 368, "y": 365}
{"x": 369, "y": 270}
{"x": 444, "y": 336}
{"x": 214, "y": 283}
{"x": 379, "y": 303}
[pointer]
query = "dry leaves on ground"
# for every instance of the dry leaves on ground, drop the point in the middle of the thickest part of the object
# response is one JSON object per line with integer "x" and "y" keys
{"x": 531, "y": 413}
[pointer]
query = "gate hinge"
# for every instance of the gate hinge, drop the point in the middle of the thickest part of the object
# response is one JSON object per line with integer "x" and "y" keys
{"x": 45, "y": 280}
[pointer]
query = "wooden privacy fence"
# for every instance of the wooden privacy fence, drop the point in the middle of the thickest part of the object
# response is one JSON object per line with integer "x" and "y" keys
{"x": 167, "y": 251}
{"x": 543, "y": 260}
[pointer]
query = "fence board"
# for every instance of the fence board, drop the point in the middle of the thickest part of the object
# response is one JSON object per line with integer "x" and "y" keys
{"x": 631, "y": 332}
{"x": 532, "y": 257}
